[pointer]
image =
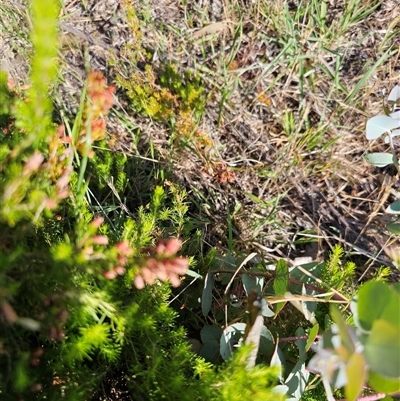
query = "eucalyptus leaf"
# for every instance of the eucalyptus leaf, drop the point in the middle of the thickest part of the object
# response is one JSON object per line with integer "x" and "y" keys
{"x": 281, "y": 389}
{"x": 394, "y": 94}
{"x": 278, "y": 359}
{"x": 301, "y": 343}
{"x": 379, "y": 159}
{"x": 225, "y": 262}
{"x": 394, "y": 228}
{"x": 210, "y": 334}
{"x": 249, "y": 283}
{"x": 370, "y": 304}
{"x": 395, "y": 115}
{"x": 395, "y": 132}
{"x": 230, "y": 338}
{"x": 297, "y": 380}
{"x": 382, "y": 349}
{"x": 308, "y": 308}
{"x": 356, "y": 374}
{"x": 210, "y": 352}
{"x": 194, "y": 274}
{"x": 265, "y": 310}
{"x": 394, "y": 208}
{"x": 378, "y": 125}
{"x": 267, "y": 344}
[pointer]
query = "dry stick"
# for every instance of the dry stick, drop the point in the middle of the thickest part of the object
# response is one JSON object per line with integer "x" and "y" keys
{"x": 336, "y": 295}
{"x": 249, "y": 257}
{"x": 319, "y": 281}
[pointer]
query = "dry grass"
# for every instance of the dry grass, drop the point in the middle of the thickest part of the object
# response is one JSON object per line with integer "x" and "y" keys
{"x": 289, "y": 88}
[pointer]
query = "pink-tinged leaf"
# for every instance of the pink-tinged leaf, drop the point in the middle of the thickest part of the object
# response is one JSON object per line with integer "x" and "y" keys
{"x": 378, "y": 125}
{"x": 356, "y": 375}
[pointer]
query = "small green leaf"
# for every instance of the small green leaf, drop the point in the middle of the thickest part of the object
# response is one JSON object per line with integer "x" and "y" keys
{"x": 194, "y": 274}
{"x": 206, "y": 296}
{"x": 394, "y": 228}
{"x": 281, "y": 282}
{"x": 281, "y": 278}
{"x": 311, "y": 336}
{"x": 378, "y": 125}
{"x": 356, "y": 375}
{"x": 394, "y": 208}
{"x": 379, "y": 159}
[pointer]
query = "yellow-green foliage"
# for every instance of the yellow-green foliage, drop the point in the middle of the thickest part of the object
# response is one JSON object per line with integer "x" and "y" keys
{"x": 109, "y": 167}
{"x": 237, "y": 383}
{"x": 336, "y": 273}
{"x": 165, "y": 94}
{"x": 35, "y": 120}
{"x": 35, "y": 164}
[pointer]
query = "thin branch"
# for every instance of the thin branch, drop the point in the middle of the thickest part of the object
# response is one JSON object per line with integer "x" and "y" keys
{"x": 337, "y": 296}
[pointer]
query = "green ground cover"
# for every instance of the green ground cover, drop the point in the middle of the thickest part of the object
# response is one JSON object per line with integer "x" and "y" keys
{"x": 186, "y": 211}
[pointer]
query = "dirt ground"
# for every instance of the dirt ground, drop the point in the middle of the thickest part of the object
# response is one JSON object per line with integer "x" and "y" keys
{"x": 288, "y": 198}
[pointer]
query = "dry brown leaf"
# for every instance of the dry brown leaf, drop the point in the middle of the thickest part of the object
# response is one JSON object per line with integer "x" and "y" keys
{"x": 216, "y": 27}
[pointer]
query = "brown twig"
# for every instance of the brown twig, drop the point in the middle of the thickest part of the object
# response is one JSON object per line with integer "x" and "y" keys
{"x": 335, "y": 296}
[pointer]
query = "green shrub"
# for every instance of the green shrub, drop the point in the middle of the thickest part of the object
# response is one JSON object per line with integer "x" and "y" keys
{"x": 85, "y": 283}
